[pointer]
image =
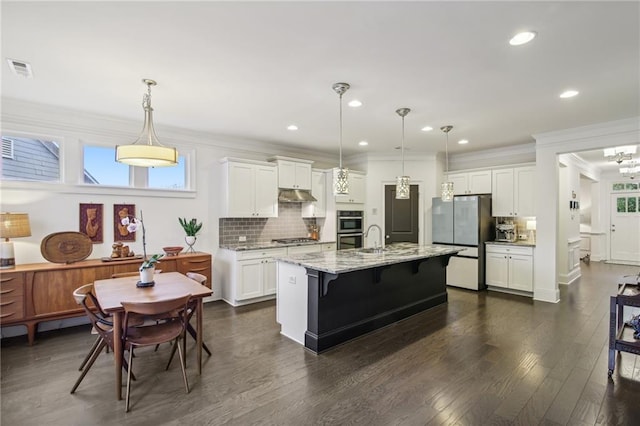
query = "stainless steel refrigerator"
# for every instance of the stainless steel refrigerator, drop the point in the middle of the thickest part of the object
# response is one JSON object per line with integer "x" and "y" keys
{"x": 465, "y": 221}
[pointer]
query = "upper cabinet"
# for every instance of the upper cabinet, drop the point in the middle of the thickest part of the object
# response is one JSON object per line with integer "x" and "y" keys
{"x": 250, "y": 188}
{"x": 512, "y": 192}
{"x": 293, "y": 173}
{"x": 357, "y": 189}
{"x": 318, "y": 190}
{"x": 476, "y": 182}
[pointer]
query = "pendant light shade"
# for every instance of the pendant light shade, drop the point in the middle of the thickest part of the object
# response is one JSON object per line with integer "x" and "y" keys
{"x": 402, "y": 182}
{"x": 447, "y": 187}
{"x": 147, "y": 151}
{"x": 341, "y": 175}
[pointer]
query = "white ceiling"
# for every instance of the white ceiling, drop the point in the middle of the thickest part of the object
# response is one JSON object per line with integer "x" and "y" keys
{"x": 250, "y": 69}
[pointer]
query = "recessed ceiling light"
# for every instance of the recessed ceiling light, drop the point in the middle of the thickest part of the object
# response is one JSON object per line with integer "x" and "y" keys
{"x": 427, "y": 129}
{"x": 363, "y": 143}
{"x": 463, "y": 142}
{"x": 522, "y": 38}
{"x": 569, "y": 93}
{"x": 292, "y": 127}
{"x": 355, "y": 103}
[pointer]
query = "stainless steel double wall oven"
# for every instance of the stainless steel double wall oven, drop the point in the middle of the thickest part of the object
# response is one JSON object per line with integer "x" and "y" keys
{"x": 350, "y": 229}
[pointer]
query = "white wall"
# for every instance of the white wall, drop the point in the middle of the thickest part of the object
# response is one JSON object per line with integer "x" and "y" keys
{"x": 548, "y": 147}
{"x": 382, "y": 170}
{"x": 55, "y": 207}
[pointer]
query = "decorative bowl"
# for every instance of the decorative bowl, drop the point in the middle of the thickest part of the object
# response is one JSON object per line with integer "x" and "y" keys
{"x": 172, "y": 251}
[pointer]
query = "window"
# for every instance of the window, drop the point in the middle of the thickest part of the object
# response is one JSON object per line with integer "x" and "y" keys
{"x": 101, "y": 168}
{"x": 30, "y": 159}
{"x": 168, "y": 177}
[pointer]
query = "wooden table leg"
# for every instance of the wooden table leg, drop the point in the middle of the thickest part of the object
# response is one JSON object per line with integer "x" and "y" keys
{"x": 117, "y": 351}
{"x": 199, "y": 334}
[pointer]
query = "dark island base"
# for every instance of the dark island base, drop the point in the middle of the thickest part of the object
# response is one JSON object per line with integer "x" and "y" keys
{"x": 344, "y": 306}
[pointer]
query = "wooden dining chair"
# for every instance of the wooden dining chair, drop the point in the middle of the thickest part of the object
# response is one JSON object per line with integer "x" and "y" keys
{"x": 174, "y": 312}
{"x": 191, "y": 309}
{"x": 102, "y": 326}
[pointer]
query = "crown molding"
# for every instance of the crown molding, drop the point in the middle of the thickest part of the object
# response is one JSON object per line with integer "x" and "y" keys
{"x": 629, "y": 127}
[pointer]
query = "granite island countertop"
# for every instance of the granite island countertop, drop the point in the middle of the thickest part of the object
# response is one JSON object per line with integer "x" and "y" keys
{"x": 270, "y": 244}
{"x": 341, "y": 261}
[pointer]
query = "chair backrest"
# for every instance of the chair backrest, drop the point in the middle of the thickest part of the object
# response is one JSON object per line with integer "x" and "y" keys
{"x": 168, "y": 308}
{"x": 197, "y": 277}
{"x": 98, "y": 320}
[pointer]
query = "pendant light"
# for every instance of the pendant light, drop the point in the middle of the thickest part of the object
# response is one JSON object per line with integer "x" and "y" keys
{"x": 341, "y": 175}
{"x": 402, "y": 181}
{"x": 447, "y": 187}
{"x": 147, "y": 151}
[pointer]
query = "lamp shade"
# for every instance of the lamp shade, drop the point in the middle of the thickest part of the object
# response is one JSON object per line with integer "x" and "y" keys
{"x": 14, "y": 225}
{"x": 147, "y": 155}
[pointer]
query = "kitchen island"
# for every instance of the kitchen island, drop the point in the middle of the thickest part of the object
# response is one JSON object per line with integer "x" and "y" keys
{"x": 324, "y": 299}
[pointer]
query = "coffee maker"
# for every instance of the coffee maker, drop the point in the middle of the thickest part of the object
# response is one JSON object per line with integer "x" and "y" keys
{"x": 506, "y": 232}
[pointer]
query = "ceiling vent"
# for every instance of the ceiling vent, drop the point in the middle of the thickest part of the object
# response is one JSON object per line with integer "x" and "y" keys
{"x": 20, "y": 68}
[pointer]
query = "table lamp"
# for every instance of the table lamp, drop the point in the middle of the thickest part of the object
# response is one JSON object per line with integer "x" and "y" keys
{"x": 12, "y": 225}
{"x": 531, "y": 226}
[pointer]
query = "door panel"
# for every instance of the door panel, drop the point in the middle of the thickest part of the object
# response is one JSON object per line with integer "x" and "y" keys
{"x": 465, "y": 222}
{"x": 401, "y": 216}
{"x": 442, "y": 221}
{"x": 625, "y": 227}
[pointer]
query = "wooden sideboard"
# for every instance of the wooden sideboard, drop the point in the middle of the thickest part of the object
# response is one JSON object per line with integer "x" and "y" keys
{"x": 37, "y": 292}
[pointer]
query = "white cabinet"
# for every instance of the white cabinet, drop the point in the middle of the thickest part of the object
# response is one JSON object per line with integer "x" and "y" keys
{"x": 509, "y": 267}
{"x": 357, "y": 189}
{"x": 293, "y": 173}
{"x": 475, "y": 182}
{"x": 250, "y": 276}
{"x": 309, "y": 248}
{"x": 328, "y": 247}
{"x": 513, "y": 192}
{"x": 250, "y": 188}
{"x": 318, "y": 190}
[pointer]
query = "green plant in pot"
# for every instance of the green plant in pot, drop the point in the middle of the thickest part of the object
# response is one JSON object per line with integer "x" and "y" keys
{"x": 191, "y": 228}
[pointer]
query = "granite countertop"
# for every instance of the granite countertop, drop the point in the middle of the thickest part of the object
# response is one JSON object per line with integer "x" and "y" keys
{"x": 340, "y": 261}
{"x": 525, "y": 243}
{"x": 270, "y": 244}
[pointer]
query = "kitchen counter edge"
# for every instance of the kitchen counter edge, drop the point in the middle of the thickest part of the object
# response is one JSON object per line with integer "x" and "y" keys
{"x": 270, "y": 245}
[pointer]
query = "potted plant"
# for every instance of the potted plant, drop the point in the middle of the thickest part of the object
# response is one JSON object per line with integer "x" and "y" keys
{"x": 191, "y": 228}
{"x": 148, "y": 267}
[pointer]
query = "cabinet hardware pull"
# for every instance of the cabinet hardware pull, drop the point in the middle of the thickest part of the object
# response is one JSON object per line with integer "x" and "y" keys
{"x": 7, "y": 291}
{"x": 6, "y": 280}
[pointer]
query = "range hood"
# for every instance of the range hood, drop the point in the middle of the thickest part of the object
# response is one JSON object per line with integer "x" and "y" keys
{"x": 295, "y": 196}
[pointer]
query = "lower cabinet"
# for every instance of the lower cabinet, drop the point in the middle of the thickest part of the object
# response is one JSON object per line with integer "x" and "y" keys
{"x": 509, "y": 268}
{"x": 248, "y": 276}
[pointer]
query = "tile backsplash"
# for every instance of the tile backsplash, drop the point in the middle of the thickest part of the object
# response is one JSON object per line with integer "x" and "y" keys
{"x": 521, "y": 226}
{"x": 288, "y": 224}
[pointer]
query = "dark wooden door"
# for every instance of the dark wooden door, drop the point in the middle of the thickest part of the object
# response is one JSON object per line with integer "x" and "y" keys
{"x": 400, "y": 216}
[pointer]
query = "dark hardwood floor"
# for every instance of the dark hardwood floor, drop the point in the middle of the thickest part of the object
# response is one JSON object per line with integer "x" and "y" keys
{"x": 482, "y": 359}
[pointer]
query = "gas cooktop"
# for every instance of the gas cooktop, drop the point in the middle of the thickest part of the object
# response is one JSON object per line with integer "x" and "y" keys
{"x": 293, "y": 240}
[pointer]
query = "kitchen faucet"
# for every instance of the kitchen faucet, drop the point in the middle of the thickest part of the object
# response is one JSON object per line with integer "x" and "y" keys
{"x": 366, "y": 234}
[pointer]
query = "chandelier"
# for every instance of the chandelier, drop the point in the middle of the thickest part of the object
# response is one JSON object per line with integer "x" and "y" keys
{"x": 147, "y": 151}
{"x": 447, "y": 187}
{"x": 620, "y": 153}
{"x": 630, "y": 169}
{"x": 402, "y": 182}
{"x": 341, "y": 175}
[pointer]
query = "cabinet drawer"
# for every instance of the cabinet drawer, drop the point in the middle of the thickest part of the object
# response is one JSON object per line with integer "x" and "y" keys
{"x": 11, "y": 308}
{"x": 194, "y": 264}
{"x": 11, "y": 284}
{"x": 312, "y": 248}
{"x": 507, "y": 249}
{"x": 329, "y": 247}
{"x": 261, "y": 254}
